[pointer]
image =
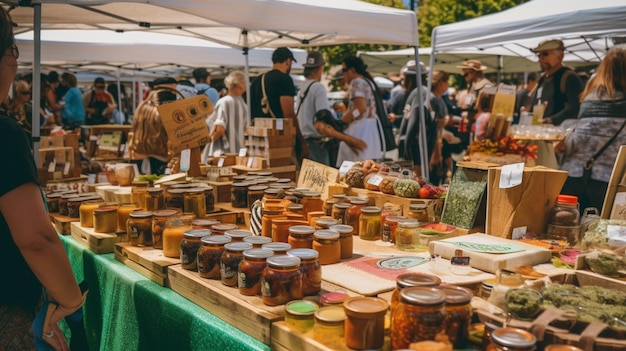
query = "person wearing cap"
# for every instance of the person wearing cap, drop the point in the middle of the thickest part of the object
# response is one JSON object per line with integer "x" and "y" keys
{"x": 98, "y": 103}
{"x": 186, "y": 88}
{"x": 559, "y": 87}
{"x": 408, "y": 82}
{"x": 203, "y": 84}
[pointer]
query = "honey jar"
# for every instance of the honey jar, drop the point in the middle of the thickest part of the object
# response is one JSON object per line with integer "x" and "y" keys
{"x": 409, "y": 280}
{"x": 139, "y": 228}
{"x": 138, "y": 193}
{"x": 159, "y": 219}
{"x": 86, "y": 212}
{"x": 512, "y": 339}
{"x": 210, "y": 255}
{"x": 281, "y": 280}
{"x": 364, "y": 327}
{"x": 194, "y": 202}
{"x": 346, "y": 239}
{"x": 250, "y": 270}
{"x": 257, "y": 241}
{"x": 173, "y": 234}
{"x": 105, "y": 219}
{"x": 299, "y": 315}
{"x": 189, "y": 247}
{"x": 328, "y": 328}
{"x": 327, "y": 245}
{"x": 370, "y": 223}
{"x": 123, "y": 213}
{"x": 301, "y": 236}
{"x": 311, "y": 270}
{"x": 237, "y": 235}
{"x": 222, "y": 228}
{"x": 229, "y": 264}
{"x": 419, "y": 316}
{"x": 154, "y": 199}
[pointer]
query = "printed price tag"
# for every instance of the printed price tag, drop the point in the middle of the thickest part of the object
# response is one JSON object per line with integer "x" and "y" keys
{"x": 511, "y": 175}
{"x": 375, "y": 180}
{"x": 66, "y": 168}
{"x": 91, "y": 178}
{"x": 217, "y": 153}
{"x": 460, "y": 260}
{"x": 345, "y": 167}
{"x": 279, "y": 124}
{"x": 519, "y": 233}
{"x": 185, "y": 160}
{"x": 250, "y": 160}
{"x": 243, "y": 151}
{"x": 52, "y": 166}
{"x": 220, "y": 162}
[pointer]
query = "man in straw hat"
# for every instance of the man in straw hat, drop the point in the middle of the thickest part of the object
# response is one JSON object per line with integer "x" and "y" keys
{"x": 473, "y": 74}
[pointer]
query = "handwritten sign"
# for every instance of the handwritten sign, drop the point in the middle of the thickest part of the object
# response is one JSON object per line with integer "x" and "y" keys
{"x": 504, "y": 101}
{"x": 315, "y": 176}
{"x": 184, "y": 122}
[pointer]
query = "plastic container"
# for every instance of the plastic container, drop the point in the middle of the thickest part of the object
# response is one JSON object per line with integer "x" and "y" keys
{"x": 365, "y": 322}
{"x": 564, "y": 220}
{"x": 229, "y": 264}
{"x": 281, "y": 280}
{"x": 250, "y": 270}
{"x": 419, "y": 316}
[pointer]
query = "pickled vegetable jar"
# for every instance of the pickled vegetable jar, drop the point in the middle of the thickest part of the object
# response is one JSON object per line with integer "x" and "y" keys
{"x": 63, "y": 201}
{"x": 193, "y": 202}
{"x": 209, "y": 199}
{"x": 419, "y": 316}
{"x": 390, "y": 226}
{"x": 301, "y": 236}
{"x": 86, "y": 212}
{"x": 370, "y": 223}
{"x": 250, "y": 270}
{"x": 327, "y": 245}
{"x": 200, "y": 223}
{"x": 159, "y": 219}
{"x": 189, "y": 247}
{"x": 459, "y": 314}
{"x": 365, "y": 322}
{"x": 155, "y": 199}
{"x": 411, "y": 280}
{"x": 339, "y": 212}
{"x": 229, "y": 265}
{"x": 210, "y": 255}
{"x": 328, "y": 206}
{"x": 173, "y": 234}
{"x": 512, "y": 339}
{"x": 239, "y": 195}
{"x": 407, "y": 236}
{"x": 139, "y": 228}
{"x": 353, "y": 213}
{"x": 419, "y": 212}
{"x": 281, "y": 280}
{"x": 311, "y": 270}
{"x": 299, "y": 315}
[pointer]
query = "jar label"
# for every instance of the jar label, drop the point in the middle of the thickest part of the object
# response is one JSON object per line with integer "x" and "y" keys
{"x": 241, "y": 280}
{"x": 375, "y": 180}
{"x": 226, "y": 271}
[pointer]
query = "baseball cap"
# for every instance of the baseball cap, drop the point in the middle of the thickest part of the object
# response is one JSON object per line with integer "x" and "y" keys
{"x": 164, "y": 80}
{"x": 282, "y": 54}
{"x": 475, "y": 65}
{"x": 314, "y": 59}
{"x": 411, "y": 68}
{"x": 549, "y": 44}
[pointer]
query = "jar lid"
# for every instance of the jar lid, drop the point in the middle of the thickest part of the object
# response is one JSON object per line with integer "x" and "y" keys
{"x": 154, "y": 190}
{"x": 311, "y": 193}
{"x": 238, "y": 233}
{"x": 409, "y": 223}
{"x": 295, "y": 207}
{"x": 181, "y": 186}
{"x": 418, "y": 295}
{"x": 54, "y": 195}
{"x": 339, "y": 196}
{"x": 241, "y": 185}
{"x": 358, "y": 201}
{"x": 215, "y": 239}
{"x": 395, "y": 219}
{"x": 194, "y": 191}
{"x": 238, "y": 246}
{"x": 176, "y": 191}
{"x": 165, "y": 213}
{"x": 258, "y": 188}
{"x": 140, "y": 214}
{"x": 331, "y": 201}
{"x": 94, "y": 200}
{"x": 257, "y": 239}
{"x": 342, "y": 205}
{"x": 78, "y": 199}
{"x": 271, "y": 179}
{"x": 283, "y": 180}
{"x": 567, "y": 199}
{"x": 250, "y": 178}
{"x": 258, "y": 253}
{"x": 304, "y": 254}
{"x": 199, "y": 185}
{"x": 513, "y": 337}
{"x": 371, "y": 210}
{"x": 105, "y": 209}
{"x": 277, "y": 246}
{"x": 301, "y": 229}
{"x": 330, "y": 314}
{"x": 144, "y": 184}
{"x": 326, "y": 235}
{"x": 272, "y": 191}
{"x": 283, "y": 261}
{"x": 334, "y": 297}
{"x": 342, "y": 228}
{"x": 196, "y": 233}
{"x": 417, "y": 207}
{"x": 204, "y": 222}
{"x": 207, "y": 188}
{"x": 365, "y": 307}
{"x": 264, "y": 174}
{"x": 326, "y": 221}
{"x": 239, "y": 178}
{"x": 222, "y": 227}
{"x": 417, "y": 279}
{"x": 88, "y": 194}
{"x": 301, "y": 307}
{"x": 456, "y": 295}
{"x": 69, "y": 196}
{"x": 280, "y": 186}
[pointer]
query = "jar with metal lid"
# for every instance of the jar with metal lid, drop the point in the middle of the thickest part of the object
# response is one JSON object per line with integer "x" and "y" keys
{"x": 52, "y": 200}
{"x": 209, "y": 199}
{"x": 311, "y": 217}
{"x": 167, "y": 185}
{"x": 370, "y": 223}
{"x": 408, "y": 236}
{"x": 222, "y": 228}
{"x": 512, "y": 339}
{"x": 123, "y": 213}
{"x": 200, "y": 223}
{"x": 328, "y": 206}
{"x": 328, "y": 327}
{"x": 159, "y": 220}
{"x": 105, "y": 219}
{"x": 412, "y": 280}
{"x": 139, "y": 228}
{"x": 138, "y": 193}
{"x": 346, "y": 239}
{"x": 173, "y": 234}
{"x": 266, "y": 221}
{"x": 277, "y": 247}
{"x": 193, "y": 202}
{"x": 459, "y": 314}
{"x": 239, "y": 178}
{"x": 239, "y": 195}
{"x": 334, "y": 298}
{"x": 273, "y": 194}
{"x": 281, "y": 280}
{"x": 341, "y": 198}
{"x": 353, "y": 213}
{"x": 339, "y": 212}
{"x": 86, "y": 212}
{"x": 555, "y": 347}
{"x": 229, "y": 264}
{"x": 174, "y": 198}
{"x": 237, "y": 235}
{"x": 299, "y": 315}
{"x": 365, "y": 322}
{"x": 419, "y": 316}
{"x": 311, "y": 270}
{"x": 63, "y": 201}
{"x": 155, "y": 199}
{"x": 257, "y": 241}
{"x": 324, "y": 223}
{"x": 256, "y": 192}
{"x": 301, "y": 236}
{"x": 295, "y": 208}
{"x": 419, "y": 212}
{"x": 312, "y": 201}
{"x": 210, "y": 255}
{"x": 280, "y": 230}
{"x": 390, "y": 226}
{"x": 250, "y": 270}
{"x": 189, "y": 247}
{"x": 327, "y": 244}
{"x": 564, "y": 220}
{"x": 390, "y": 209}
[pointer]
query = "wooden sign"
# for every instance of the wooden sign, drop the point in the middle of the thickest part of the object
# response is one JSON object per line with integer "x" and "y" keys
{"x": 184, "y": 122}
{"x": 316, "y": 176}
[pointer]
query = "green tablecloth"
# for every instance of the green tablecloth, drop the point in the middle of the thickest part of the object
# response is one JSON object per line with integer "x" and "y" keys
{"x": 126, "y": 311}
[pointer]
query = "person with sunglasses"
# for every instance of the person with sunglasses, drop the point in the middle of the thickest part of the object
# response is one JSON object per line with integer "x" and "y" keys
{"x": 98, "y": 103}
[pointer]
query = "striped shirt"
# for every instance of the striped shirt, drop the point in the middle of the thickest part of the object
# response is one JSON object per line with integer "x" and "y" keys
{"x": 231, "y": 113}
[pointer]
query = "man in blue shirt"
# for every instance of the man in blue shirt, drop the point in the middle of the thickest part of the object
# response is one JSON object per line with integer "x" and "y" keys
{"x": 203, "y": 84}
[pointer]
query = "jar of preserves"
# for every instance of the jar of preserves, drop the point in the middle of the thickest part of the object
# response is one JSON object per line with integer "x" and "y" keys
{"x": 364, "y": 327}
{"x": 390, "y": 226}
{"x": 138, "y": 193}
{"x": 512, "y": 339}
{"x": 346, "y": 239}
{"x": 458, "y": 314}
{"x": 299, "y": 315}
{"x": 311, "y": 217}
{"x": 239, "y": 178}
{"x": 564, "y": 220}
{"x": 200, "y": 223}
{"x": 193, "y": 202}
{"x": 123, "y": 213}
{"x": 273, "y": 194}
{"x": 65, "y": 198}
{"x": 412, "y": 280}
{"x": 390, "y": 209}
{"x": 86, "y": 212}
{"x": 266, "y": 221}
{"x": 328, "y": 327}
{"x": 334, "y": 298}
{"x": 277, "y": 247}
{"x": 328, "y": 207}
{"x": 174, "y": 198}
{"x": 324, "y": 223}
{"x": 419, "y": 212}
{"x": 256, "y": 192}
{"x": 281, "y": 280}
{"x": 189, "y": 247}
{"x": 154, "y": 199}
{"x": 339, "y": 212}
{"x": 301, "y": 236}
{"x": 341, "y": 198}
{"x": 353, "y": 213}
{"x": 250, "y": 270}
{"x": 257, "y": 241}
{"x": 210, "y": 255}
{"x": 280, "y": 230}
{"x": 105, "y": 219}
{"x": 295, "y": 209}
{"x": 52, "y": 200}
{"x": 407, "y": 236}
{"x": 139, "y": 228}
{"x": 311, "y": 270}
{"x": 556, "y": 347}
{"x": 222, "y": 228}
{"x": 239, "y": 195}
{"x": 312, "y": 201}
{"x": 209, "y": 199}
{"x": 237, "y": 235}
{"x": 159, "y": 219}
{"x": 419, "y": 316}
{"x": 229, "y": 265}
{"x": 327, "y": 244}
{"x": 173, "y": 234}
{"x": 370, "y": 223}
{"x": 73, "y": 207}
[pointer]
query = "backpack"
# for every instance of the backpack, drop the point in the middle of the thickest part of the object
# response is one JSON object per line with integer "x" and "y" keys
{"x": 387, "y": 137}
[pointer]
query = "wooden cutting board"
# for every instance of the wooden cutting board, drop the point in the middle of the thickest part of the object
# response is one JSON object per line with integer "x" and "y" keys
{"x": 491, "y": 262}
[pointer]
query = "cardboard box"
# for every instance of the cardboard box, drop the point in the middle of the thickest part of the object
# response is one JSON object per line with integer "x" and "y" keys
{"x": 617, "y": 183}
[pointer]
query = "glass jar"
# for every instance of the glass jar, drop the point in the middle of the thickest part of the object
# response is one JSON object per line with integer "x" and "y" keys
{"x": 52, "y": 200}
{"x": 328, "y": 207}
{"x": 346, "y": 239}
{"x": 210, "y": 255}
{"x": 327, "y": 245}
{"x": 266, "y": 221}
{"x": 280, "y": 230}
{"x": 295, "y": 209}
{"x": 364, "y": 327}
{"x": 408, "y": 236}
{"x": 189, "y": 247}
{"x": 222, "y": 228}
{"x": 311, "y": 270}
{"x": 159, "y": 220}
{"x": 229, "y": 264}
{"x": 370, "y": 225}
{"x": 173, "y": 234}
{"x": 353, "y": 213}
{"x": 123, "y": 213}
{"x": 73, "y": 207}
{"x": 555, "y": 347}
{"x": 138, "y": 193}
{"x": 257, "y": 241}
{"x": 299, "y": 315}
{"x": 200, "y": 223}
{"x": 250, "y": 270}
{"x": 312, "y": 201}
{"x": 412, "y": 280}
{"x": 324, "y": 223}
{"x": 458, "y": 314}
{"x": 193, "y": 202}
{"x": 256, "y": 192}
{"x": 339, "y": 212}
{"x": 419, "y": 316}
{"x": 209, "y": 199}
{"x": 86, "y": 212}
{"x": 277, "y": 247}
{"x": 65, "y": 198}
{"x": 239, "y": 195}
{"x": 272, "y": 194}
{"x": 154, "y": 199}
{"x": 281, "y": 280}
{"x": 390, "y": 209}
{"x": 512, "y": 339}
{"x": 419, "y": 212}
{"x": 105, "y": 219}
{"x": 301, "y": 236}
{"x": 564, "y": 220}
{"x": 334, "y": 298}
{"x": 237, "y": 235}
{"x": 390, "y": 226}
{"x": 174, "y": 198}
{"x": 328, "y": 327}
{"x": 311, "y": 217}
{"x": 139, "y": 228}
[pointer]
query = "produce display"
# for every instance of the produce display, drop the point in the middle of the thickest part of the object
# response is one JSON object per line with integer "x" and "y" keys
{"x": 503, "y": 145}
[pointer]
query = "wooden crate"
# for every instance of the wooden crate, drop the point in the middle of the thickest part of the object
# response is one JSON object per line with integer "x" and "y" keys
{"x": 147, "y": 261}
{"x": 435, "y": 206}
{"x": 288, "y": 171}
{"x": 284, "y": 338}
{"x": 62, "y": 223}
{"x": 99, "y": 243}
{"x": 114, "y": 152}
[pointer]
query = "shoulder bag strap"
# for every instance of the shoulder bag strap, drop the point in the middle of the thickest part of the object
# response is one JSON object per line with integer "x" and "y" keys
{"x": 306, "y": 92}
{"x": 269, "y": 106}
{"x": 593, "y": 158}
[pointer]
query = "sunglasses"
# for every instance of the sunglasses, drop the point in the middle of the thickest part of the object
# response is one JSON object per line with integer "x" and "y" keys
{"x": 543, "y": 54}
{"x": 99, "y": 86}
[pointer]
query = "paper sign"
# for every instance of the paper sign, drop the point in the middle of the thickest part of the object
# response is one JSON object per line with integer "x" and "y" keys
{"x": 619, "y": 206}
{"x": 518, "y": 233}
{"x": 345, "y": 167}
{"x": 184, "y": 122}
{"x": 375, "y": 180}
{"x": 255, "y": 162}
{"x": 185, "y": 159}
{"x": 91, "y": 178}
{"x": 220, "y": 162}
{"x": 250, "y": 160}
{"x": 279, "y": 124}
{"x": 66, "y": 168}
{"x": 316, "y": 176}
{"x": 243, "y": 151}
{"x": 217, "y": 153}
{"x": 616, "y": 235}
{"x": 52, "y": 166}
{"x": 511, "y": 175}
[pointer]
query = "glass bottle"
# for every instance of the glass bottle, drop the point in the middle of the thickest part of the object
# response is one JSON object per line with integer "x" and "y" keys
{"x": 159, "y": 220}
{"x": 327, "y": 245}
{"x": 281, "y": 280}
{"x": 408, "y": 235}
{"x": 353, "y": 213}
{"x": 459, "y": 314}
{"x": 229, "y": 265}
{"x": 365, "y": 322}
{"x": 154, "y": 199}
{"x": 250, "y": 270}
{"x": 419, "y": 316}
{"x": 173, "y": 234}
{"x": 299, "y": 315}
{"x": 564, "y": 220}
{"x": 311, "y": 270}
{"x": 370, "y": 225}
{"x": 189, "y": 246}
{"x": 512, "y": 339}
{"x": 328, "y": 327}
{"x": 339, "y": 212}
{"x": 346, "y": 239}
{"x": 139, "y": 228}
{"x": 210, "y": 255}
{"x": 301, "y": 236}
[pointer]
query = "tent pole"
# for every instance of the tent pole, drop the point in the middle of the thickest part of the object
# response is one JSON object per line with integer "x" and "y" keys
{"x": 247, "y": 72}
{"x": 36, "y": 82}
{"x": 421, "y": 138}
{"x": 500, "y": 68}
{"x": 119, "y": 93}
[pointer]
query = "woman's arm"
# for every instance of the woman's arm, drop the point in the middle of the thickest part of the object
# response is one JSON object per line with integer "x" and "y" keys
{"x": 359, "y": 107}
{"x": 326, "y": 130}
